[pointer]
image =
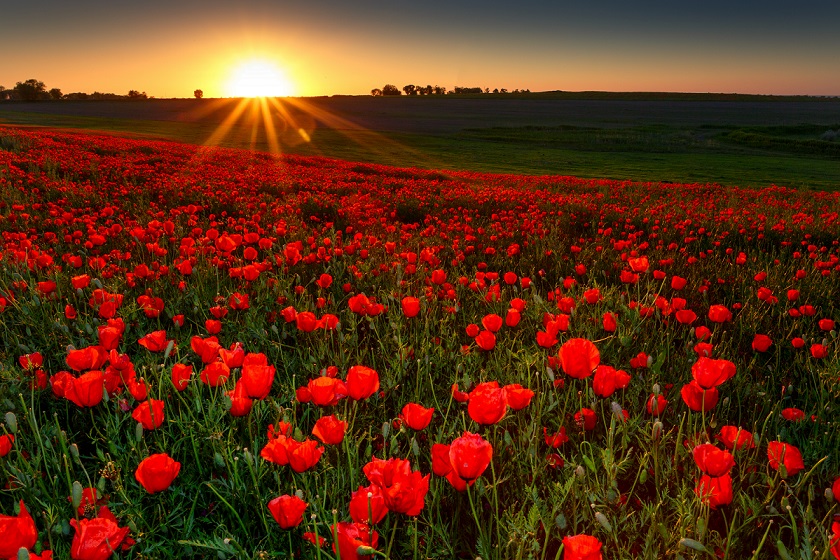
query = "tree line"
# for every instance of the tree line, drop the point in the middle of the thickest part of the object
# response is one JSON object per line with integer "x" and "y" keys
{"x": 411, "y": 89}
{"x": 36, "y": 90}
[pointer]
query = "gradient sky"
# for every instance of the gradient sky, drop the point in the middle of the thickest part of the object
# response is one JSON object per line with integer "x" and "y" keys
{"x": 168, "y": 48}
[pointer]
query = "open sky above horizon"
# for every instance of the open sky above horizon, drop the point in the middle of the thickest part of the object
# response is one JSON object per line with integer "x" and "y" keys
{"x": 168, "y": 48}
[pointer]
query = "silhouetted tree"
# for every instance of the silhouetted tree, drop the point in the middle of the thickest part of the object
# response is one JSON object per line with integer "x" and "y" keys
{"x": 409, "y": 89}
{"x": 440, "y": 90}
{"x": 30, "y": 90}
{"x": 198, "y": 94}
{"x": 391, "y": 89}
{"x": 134, "y": 94}
{"x": 376, "y": 92}
{"x": 55, "y": 93}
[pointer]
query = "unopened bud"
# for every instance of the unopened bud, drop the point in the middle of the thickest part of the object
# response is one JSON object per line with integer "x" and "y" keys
{"x": 657, "y": 429}
{"x": 579, "y": 471}
{"x": 656, "y": 389}
{"x": 604, "y": 522}
{"x": 76, "y": 493}
{"x": 11, "y": 422}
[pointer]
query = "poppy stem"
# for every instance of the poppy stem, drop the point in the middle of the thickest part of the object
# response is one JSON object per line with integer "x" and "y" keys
{"x": 393, "y": 534}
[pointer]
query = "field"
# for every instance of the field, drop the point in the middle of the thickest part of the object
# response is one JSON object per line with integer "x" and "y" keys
{"x": 682, "y": 138}
{"x": 209, "y": 352}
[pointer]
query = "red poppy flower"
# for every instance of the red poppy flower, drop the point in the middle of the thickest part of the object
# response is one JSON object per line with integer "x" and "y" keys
{"x": 306, "y": 321}
{"x": 410, "y": 306}
{"x": 714, "y": 491}
{"x": 181, "y": 374}
{"x": 713, "y": 461}
{"x": 819, "y": 351}
{"x": 556, "y": 439}
{"x": 779, "y": 453}
{"x": 240, "y": 402}
{"x": 17, "y": 532}
{"x": 610, "y": 322}
{"x": 156, "y": 472}
{"x": 234, "y": 357}
{"x": 98, "y": 538}
{"x": 367, "y": 505}
{"x": 835, "y": 489}
{"x": 303, "y": 455}
{"x": 92, "y": 357}
{"x": 487, "y": 403}
{"x": 149, "y": 414}
{"x": 86, "y": 390}
{"x": 349, "y": 537}
{"x": 215, "y": 374}
{"x": 416, "y": 416}
{"x": 719, "y": 314}
{"x": 709, "y": 373}
{"x": 486, "y": 340}
{"x": 6, "y": 441}
{"x": 403, "y": 490}
{"x": 287, "y": 510}
{"x": 257, "y": 376}
{"x": 206, "y": 348}
{"x": 733, "y": 437}
{"x": 470, "y": 455}
{"x": 330, "y": 430}
{"x": 678, "y": 283}
{"x": 586, "y": 419}
{"x": 324, "y": 391}
{"x": 492, "y": 322}
{"x": 761, "y": 343}
{"x": 793, "y": 414}
{"x": 518, "y": 397}
{"x": 512, "y": 318}
{"x": 579, "y": 357}
{"x": 834, "y": 543}
{"x": 656, "y": 405}
{"x": 699, "y": 399}
{"x": 826, "y": 324}
{"x": 361, "y": 382}
{"x": 607, "y": 379}
{"x": 581, "y": 547}
{"x": 685, "y": 316}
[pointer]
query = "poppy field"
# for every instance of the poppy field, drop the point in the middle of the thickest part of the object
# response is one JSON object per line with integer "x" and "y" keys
{"x": 217, "y": 353}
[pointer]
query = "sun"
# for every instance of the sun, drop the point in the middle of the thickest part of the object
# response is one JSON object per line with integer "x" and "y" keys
{"x": 258, "y": 78}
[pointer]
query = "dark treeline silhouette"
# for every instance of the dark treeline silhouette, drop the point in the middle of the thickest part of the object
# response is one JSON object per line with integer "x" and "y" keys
{"x": 36, "y": 90}
{"x": 411, "y": 89}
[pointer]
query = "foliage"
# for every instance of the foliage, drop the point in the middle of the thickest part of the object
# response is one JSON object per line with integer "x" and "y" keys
{"x": 316, "y": 266}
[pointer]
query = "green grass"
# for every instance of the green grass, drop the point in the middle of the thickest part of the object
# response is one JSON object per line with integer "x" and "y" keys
{"x": 792, "y": 156}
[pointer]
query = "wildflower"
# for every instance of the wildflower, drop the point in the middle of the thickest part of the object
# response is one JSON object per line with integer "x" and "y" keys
{"x": 156, "y": 472}
{"x": 287, "y": 510}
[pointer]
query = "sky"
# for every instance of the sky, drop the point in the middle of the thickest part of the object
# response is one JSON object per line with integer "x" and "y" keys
{"x": 169, "y": 48}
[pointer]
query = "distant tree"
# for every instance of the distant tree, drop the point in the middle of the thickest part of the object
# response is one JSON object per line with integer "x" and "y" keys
{"x": 134, "y": 94}
{"x": 55, "y": 93}
{"x": 30, "y": 90}
{"x": 376, "y": 92}
{"x": 428, "y": 89}
{"x": 390, "y": 89}
{"x": 503, "y": 90}
{"x": 198, "y": 94}
{"x": 410, "y": 89}
{"x": 440, "y": 90}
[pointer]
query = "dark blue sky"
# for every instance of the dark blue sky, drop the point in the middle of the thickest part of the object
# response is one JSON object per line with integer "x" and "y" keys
{"x": 168, "y": 48}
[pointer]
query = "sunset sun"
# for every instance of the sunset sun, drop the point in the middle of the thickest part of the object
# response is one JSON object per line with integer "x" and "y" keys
{"x": 258, "y": 78}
